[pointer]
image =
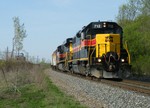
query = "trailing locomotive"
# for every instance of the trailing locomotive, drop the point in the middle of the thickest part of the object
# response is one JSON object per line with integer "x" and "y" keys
{"x": 96, "y": 50}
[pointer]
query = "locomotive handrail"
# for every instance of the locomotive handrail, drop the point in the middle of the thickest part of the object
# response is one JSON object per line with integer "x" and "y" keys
{"x": 66, "y": 59}
{"x": 91, "y": 55}
{"x": 126, "y": 47}
{"x": 89, "y": 50}
{"x": 98, "y": 50}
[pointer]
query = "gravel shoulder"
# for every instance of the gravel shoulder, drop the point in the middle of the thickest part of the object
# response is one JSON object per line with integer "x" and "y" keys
{"x": 97, "y": 95}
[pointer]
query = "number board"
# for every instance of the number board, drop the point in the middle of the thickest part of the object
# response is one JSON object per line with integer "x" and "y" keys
{"x": 102, "y": 25}
{"x": 96, "y": 25}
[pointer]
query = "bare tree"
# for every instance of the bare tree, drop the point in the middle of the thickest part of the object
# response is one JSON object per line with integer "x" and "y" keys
{"x": 146, "y": 7}
{"x": 128, "y": 12}
{"x": 19, "y": 35}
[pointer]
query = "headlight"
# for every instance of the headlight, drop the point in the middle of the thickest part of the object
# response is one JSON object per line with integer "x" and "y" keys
{"x": 104, "y": 25}
{"x": 99, "y": 60}
{"x": 122, "y": 60}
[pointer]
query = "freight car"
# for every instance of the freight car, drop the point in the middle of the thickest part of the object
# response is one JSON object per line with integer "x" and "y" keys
{"x": 96, "y": 50}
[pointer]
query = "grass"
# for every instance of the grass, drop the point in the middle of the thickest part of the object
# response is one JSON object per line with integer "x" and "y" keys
{"x": 58, "y": 99}
{"x": 37, "y": 92}
{"x": 32, "y": 96}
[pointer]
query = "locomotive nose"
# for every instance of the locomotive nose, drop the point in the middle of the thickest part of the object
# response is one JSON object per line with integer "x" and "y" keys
{"x": 111, "y": 61}
{"x": 111, "y": 67}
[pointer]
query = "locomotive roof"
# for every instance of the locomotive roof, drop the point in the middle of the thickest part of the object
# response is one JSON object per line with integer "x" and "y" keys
{"x": 59, "y": 46}
{"x": 68, "y": 40}
{"x": 98, "y": 25}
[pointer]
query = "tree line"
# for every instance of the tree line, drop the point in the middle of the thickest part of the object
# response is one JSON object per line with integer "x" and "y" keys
{"x": 134, "y": 17}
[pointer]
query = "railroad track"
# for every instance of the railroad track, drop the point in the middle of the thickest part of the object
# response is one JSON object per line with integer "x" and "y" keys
{"x": 136, "y": 86}
{"x": 139, "y": 83}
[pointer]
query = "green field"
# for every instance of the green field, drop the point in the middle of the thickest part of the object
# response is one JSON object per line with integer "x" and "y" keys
{"x": 32, "y": 96}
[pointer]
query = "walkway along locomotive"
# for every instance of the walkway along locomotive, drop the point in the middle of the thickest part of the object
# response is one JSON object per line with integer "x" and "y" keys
{"x": 96, "y": 50}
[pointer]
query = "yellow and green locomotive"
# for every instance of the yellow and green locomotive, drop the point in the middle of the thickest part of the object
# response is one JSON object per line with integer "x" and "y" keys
{"x": 96, "y": 50}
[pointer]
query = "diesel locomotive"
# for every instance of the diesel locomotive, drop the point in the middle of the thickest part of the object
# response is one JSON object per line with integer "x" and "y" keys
{"x": 96, "y": 50}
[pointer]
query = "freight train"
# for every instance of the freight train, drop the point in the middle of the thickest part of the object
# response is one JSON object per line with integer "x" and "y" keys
{"x": 96, "y": 50}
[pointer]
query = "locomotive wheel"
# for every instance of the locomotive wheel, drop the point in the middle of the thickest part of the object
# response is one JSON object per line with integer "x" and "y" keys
{"x": 71, "y": 70}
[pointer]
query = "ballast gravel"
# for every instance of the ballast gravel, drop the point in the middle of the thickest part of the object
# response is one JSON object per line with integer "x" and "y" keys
{"x": 96, "y": 94}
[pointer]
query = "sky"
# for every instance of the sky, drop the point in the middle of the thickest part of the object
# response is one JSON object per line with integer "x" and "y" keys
{"x": 49, "y": 22}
